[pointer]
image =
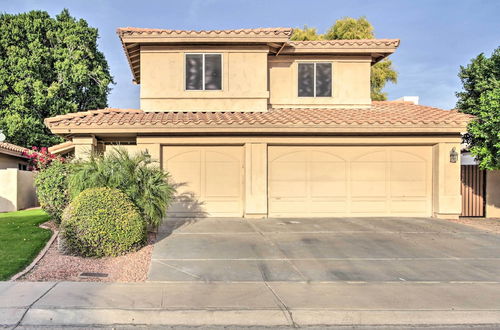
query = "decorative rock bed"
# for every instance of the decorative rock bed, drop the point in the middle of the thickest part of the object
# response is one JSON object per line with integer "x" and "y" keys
{"x": 55, "y": 266}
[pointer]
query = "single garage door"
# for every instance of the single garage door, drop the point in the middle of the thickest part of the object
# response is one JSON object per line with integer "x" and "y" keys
{"x": 209, "y": 180}
{"x": 319, "y": 181}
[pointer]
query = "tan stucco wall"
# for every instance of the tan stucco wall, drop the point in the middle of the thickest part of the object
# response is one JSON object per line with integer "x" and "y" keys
{"x": 84, "y": 146}
{"x": 350, "y": 82}
{"x": 447, "y": 199}
{"x": 244, "y": 83}
{"x": 130, "y": 148}
{"x": 493, "y": 194}
{"x": 8, "y": 161}
{"x": 26, "y": 192}
{"x": 251, "y": 80}
{"x": 17, "y": 190}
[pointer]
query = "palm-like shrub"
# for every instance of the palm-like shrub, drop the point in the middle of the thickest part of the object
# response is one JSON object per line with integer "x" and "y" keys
{"x": 136, "y": 175}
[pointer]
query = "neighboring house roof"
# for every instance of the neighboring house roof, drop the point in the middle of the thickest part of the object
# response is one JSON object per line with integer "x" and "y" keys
{"x": 62, "y": 148}
{"x": 284, "y": 32}
{"x": 383, "y": 116}
{"x": 346, "y": 42}
{"x": 12, "y": 149}
{"x": 386, "y": 46}
{"x": 278, "y": 39}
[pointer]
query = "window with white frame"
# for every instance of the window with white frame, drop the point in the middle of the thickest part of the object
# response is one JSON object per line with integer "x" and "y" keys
{"x": 203, "y": 72}
{"x": 315, "y": 79}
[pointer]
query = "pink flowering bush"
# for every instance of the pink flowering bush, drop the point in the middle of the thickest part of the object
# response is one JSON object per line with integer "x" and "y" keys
{"x": 40, "y": 158}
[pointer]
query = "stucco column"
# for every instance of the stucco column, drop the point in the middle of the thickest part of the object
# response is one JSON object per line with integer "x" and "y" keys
{"x": 84, "y": 146}
{"x": 255, "y": 180}
{"x": 447, "y": 200}
{"x": 154, "y": 149}
{"x": 493, "y": 194}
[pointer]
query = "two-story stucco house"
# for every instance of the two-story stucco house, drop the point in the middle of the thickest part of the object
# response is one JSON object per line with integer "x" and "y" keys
{"x": 249, "y": 123}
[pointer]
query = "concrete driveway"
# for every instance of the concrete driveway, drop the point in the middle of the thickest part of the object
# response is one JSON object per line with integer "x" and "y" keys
{"x": 324, "y": 250}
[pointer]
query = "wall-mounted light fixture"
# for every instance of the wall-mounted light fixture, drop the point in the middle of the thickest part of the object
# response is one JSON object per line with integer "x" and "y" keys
{"x": 453, "y": 155}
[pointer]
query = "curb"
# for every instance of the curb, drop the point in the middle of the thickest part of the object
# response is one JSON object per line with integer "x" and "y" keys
{"x": 40, "y": 255}
{"x": 255, "y": 317}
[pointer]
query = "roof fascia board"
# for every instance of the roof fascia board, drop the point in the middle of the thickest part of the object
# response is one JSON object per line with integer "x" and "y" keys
{"x": 207, "y": 39}
{"x": 277, "y": 129}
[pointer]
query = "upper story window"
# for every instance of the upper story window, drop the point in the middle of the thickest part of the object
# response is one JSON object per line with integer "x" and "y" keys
{"x": 315, "y": 79}
{"x": 203, "y": 72}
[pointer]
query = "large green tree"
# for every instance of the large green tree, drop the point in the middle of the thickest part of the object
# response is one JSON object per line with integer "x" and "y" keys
{"x": 48, "y": 67}
{"x": 481, "y": 97}
{"x": 352, "y": 28}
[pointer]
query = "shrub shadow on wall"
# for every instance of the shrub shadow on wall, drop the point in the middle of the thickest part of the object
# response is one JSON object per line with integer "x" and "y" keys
{"x": 185, "y": 209}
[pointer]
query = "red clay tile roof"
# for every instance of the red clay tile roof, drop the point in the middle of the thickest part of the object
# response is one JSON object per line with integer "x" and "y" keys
{"x": 212, "y": 33}
{"x": 380, "y": 115}
{"x": 11, "y": 149}
{"x": 132, "y": 38}
{"x": 344, "y": 43}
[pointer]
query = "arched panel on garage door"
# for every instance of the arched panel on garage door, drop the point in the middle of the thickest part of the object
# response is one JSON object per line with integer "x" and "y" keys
{"x": 349, "y": 181}
{"x": 209, "y": 180}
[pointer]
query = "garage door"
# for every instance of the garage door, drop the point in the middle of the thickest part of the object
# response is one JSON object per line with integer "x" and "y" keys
{"x": 350, "y": 181}
{"x": 209, "y": 180}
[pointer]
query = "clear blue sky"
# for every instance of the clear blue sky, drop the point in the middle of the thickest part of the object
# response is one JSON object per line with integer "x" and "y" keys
{"x": 437, "y": 36}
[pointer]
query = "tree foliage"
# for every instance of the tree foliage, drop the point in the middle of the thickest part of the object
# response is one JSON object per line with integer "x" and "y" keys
{"x": 381, "y": 73}
{"x": 352, "y": 28}
{"x": 305, "y": 34}
{"x": 48, "y": 67}
{"x": 481, "y": 97}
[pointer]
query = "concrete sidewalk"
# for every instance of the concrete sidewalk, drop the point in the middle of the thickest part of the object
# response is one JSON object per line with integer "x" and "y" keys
{"x": 249, "y": 303}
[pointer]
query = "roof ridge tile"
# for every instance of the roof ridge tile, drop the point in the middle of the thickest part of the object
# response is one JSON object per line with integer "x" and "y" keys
{"x": 257, "y": 31}
{"x": 350, "y": 42}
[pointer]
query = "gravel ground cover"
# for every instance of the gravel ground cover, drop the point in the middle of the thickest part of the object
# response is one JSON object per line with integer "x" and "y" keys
{"x": 54, "y": 266}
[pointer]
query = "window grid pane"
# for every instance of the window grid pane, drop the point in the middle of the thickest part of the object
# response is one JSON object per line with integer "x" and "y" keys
{"x": 194, "y": 71}
{"x": 306, "y": 80}
{"x": 213, "y": 70}
{"x": 323, "y": 87}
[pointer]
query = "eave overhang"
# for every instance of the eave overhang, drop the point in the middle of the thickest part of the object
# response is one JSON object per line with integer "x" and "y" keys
{"x": 378, "y": 49}
{"x": 133, "y": 38}
{"x": 290, "y": 130}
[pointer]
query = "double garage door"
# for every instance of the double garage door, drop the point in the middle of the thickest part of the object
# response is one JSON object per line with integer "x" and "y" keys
{"x": 305, "y": 181}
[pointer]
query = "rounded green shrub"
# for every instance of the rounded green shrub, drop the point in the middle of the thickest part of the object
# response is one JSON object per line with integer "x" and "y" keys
{"x": 102, "y": 222}
{"x": 52, "y": 188}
